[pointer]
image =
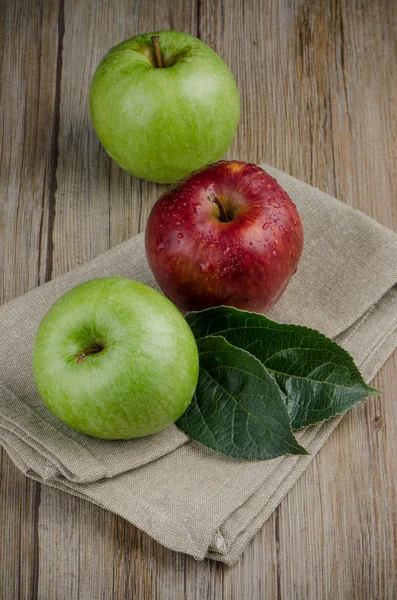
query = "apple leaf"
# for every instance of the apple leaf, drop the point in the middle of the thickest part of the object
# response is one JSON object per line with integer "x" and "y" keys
{"x": 238, "y": 409}
{"x": 317, "y": 377}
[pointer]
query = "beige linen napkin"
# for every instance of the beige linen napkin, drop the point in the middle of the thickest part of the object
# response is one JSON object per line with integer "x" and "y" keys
{"x": 184, "y": 495}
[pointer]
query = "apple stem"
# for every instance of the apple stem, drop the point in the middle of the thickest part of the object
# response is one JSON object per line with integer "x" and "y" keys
{"x": 223, "y": 216}
{"x": 94, "y": 350}
{"x": 157, "y": 53}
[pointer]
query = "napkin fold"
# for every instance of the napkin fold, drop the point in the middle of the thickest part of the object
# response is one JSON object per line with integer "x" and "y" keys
{"x": 184, "y": 495}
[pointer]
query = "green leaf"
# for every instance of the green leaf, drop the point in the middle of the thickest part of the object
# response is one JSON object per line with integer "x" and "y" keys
{"x": 317, "y": 376}
{"x": 238, "y": 408}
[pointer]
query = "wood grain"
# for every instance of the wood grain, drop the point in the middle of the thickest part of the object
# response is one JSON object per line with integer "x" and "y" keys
{"x": 29, "y": 37}
{"x": 318, "y": 83}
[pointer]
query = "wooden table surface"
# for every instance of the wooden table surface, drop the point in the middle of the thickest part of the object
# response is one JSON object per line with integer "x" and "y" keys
{"x": 318, "y": 84}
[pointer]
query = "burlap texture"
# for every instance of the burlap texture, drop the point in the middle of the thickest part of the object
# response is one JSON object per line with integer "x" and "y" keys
{"x": 182, "y": 494}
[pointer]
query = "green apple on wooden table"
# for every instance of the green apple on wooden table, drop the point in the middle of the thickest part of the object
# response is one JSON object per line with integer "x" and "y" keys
{"x": 113, "y": 358}
{"x": 164, "y": 104}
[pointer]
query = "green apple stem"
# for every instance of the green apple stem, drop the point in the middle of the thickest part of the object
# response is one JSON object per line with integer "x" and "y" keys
{"x": 157, "y": 53}
{"x": 93, "y": 350}
{"x": 223, "y": 216}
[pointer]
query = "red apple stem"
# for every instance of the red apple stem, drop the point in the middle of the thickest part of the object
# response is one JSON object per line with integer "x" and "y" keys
{"x": 157, "y": 53}
{"x": 223, "y": 216}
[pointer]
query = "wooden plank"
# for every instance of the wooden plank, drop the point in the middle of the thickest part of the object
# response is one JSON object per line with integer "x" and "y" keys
{"x": 29, "y": 82}
{"x": 29, "y": 38}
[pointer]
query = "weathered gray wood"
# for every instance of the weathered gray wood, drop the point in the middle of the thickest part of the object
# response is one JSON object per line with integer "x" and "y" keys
{"x": 29, "y": 75}
{"x": 318, "y": 83}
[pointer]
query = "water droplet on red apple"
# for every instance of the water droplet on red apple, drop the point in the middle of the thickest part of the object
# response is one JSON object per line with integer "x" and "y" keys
{"x": 281, "y": 228}
{"x": 272, "y": 228}
{"x": 265, "y": 225}
{"x": 160, "y": 246}
{"x": 178, "y": 241}
{"x": 226, "y": 251}
{"x": 197, "y": 208}
{"x": 205, "y": 266}
{"x": 251, "y": 243}
{"x": 274, "y": 253}
{"x": 181, "y": 235}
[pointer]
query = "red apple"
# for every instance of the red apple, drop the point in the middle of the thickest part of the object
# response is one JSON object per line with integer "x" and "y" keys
{"x": 228, "y": 234}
